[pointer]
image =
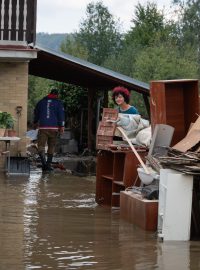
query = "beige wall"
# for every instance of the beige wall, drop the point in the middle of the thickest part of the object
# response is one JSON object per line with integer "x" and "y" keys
{"x": 13, "y": 93}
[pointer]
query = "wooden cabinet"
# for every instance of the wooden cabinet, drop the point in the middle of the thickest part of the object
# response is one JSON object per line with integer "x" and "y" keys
{"x": 139, "y": 211}
{"x": 116, "y": 170}
{"x": 175, "y": 103}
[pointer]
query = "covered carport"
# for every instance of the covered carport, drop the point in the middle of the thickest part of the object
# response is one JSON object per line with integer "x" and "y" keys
{"x": 66, "y": 68}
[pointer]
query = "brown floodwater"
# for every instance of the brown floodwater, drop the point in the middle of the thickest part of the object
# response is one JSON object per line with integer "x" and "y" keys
{"x": 53, "y": 222}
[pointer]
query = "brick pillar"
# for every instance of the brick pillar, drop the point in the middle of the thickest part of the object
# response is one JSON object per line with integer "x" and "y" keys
{"x": 14, "y": 92}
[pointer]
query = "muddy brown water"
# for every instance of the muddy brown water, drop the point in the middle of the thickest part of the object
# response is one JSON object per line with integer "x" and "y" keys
{"x": 53, "y": 222}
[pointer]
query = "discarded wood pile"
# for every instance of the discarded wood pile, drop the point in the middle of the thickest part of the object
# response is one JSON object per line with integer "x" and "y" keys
{"x": 188, "y": 162}
{"x": 184, "y": 156}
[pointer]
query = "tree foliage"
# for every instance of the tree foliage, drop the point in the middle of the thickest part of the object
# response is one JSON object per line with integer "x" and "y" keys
{"x": 152, "y": 48}
{"x": 99, "y": 33}
{"x": 37, "y": 89}
{"x": 189, "y": 13}
{"x": 124, "y": 61}
{"x": 148, "y": 26}
{"x": 74, "y": 97}
{"x": 165, "y": 62}
{"x": 73, "y": 47}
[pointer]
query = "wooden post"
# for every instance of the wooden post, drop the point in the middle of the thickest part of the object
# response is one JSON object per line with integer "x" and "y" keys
{"x": 147, "y": 105}
{"x": 90, "y": 116}
{"x": 105, "y": 103}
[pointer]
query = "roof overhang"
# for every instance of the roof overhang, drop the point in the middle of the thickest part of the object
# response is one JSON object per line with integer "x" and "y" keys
{"x": 66, "y": 68}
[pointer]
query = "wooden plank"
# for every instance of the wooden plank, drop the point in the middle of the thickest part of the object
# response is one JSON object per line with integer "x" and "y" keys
{"x": 13, "y": 20}
{"x": 21, "y": 20}
{"x": 130, "y": 169}
{"x": 143, "y": 213}
{"x": 107, "y": 129}
{"x": 90, "y": 116}
{"x": 147, "y": 105}
{"x": 191, "y": 104}
{"x": 170, "y": 101}
{"x": 6, "y": 18}
{"x": 134, "y": 151}
{"x": 157, "y": 104}
{"x": 175, "y": 110}
{"x": 118, "y": 166}
{"x": 31, "y": 21}
{"x": 109, "y": 114}
{"x": 0, "y": 17}
{"x": 116, "y": 189}
{"x": 104, "y": 167}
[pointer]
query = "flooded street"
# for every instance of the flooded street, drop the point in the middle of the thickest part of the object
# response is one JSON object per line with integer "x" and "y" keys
{"x": 53, "y": 222}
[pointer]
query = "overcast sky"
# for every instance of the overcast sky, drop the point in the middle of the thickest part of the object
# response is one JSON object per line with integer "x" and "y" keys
{"x": 63, "y": 16}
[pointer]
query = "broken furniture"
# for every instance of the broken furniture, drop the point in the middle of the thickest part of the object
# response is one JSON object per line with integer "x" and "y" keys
{"x": 183, "y": 159}
{"x": 161, "y": 139}
{"x": 19, "y": 166}
{"x": 116, "y": 163}
{"x": 7, "y": 141}
{"x": 139, "y": 211}
{"x": 175, "y": 103}
{"x": 188, "y": 162}
{"x": 15, "y": 165}
{"x": 106, "y": 130}
{"x": 116, "y": 170}
{"x": 175, "y": 205}
{"x": 134, "y": 150}
{"x": 135, "y": 208}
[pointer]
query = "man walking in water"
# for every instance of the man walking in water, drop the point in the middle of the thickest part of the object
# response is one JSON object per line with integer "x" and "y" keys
{"x": 49, "y": 118}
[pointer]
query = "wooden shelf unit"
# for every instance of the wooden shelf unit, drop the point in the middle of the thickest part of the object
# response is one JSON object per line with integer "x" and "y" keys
{"x": 175, "y": 103}
{"x": 116, "y": 170}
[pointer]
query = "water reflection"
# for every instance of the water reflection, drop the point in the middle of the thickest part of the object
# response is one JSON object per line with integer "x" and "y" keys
{"x": 81, "y": 167}
{"x": 53, "y": 222}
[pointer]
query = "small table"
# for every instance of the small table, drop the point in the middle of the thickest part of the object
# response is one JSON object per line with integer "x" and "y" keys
{"x": 7, "y": 141}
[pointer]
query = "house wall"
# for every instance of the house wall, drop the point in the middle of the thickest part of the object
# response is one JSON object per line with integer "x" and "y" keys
{"x": 13, "y": 93}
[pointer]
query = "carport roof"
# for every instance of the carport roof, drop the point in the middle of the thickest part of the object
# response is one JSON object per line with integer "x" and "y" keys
{"x": 66, "y": 68}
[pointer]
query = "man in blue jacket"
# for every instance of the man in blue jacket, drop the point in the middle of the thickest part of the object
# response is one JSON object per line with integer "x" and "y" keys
{"x": 49, "y": 118}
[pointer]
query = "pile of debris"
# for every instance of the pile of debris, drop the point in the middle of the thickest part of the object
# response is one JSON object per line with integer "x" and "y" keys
{"x": 188, "y": 162}
{"x": 184, "y": 156}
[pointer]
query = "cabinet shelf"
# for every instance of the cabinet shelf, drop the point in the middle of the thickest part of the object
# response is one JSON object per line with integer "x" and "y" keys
{"x": 120, "y": 183}
{"x": 174, "y": 103}
{"x": 107, "y": 177}
{"x": 116, "y": 170}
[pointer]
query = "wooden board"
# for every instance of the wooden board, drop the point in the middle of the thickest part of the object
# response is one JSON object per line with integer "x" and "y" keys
{"x": 141, "y": 212}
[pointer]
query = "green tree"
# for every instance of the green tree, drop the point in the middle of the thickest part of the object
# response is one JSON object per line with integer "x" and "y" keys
{"x": 149, "y": 29}
{"x": 73, "y": 47}
{"x": 165, "y": 62}
{"x": 189, "y": 24}
{"x": 99, "y": 33}
{"x": 149, "y": 26}
{"x": 124, "y": 61}
{"x": 74, "y": 97}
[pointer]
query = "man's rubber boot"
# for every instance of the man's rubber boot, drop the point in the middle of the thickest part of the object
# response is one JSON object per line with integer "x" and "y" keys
{"x": 43, "y": 161}
{"x": 49, "y": 161}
